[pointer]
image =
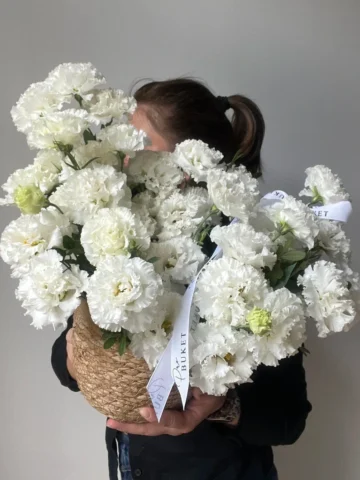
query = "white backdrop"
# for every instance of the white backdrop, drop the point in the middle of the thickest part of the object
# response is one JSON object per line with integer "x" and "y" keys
{"x": 300, "y": 61}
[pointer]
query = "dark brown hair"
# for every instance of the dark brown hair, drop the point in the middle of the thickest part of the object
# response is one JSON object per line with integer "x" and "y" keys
{"x": 184, "y": 108}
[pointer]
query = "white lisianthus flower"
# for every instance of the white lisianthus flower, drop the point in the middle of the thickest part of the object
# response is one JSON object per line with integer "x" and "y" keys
{"x": 180, "y": 258}
{"x": 196, "y": 158}
{"x": 23, "y": 180}
{"x": 333, "y": 240}
{"x": 58, "y": 129}
{"x": 151, "y": 343}
{"x": 109, "y": 104}
{"x": 214, "y": 341}
{"x": 37, "y": 101}
{"x": 50, "y": 292}
{"x": 327, "y": 297}
{"x": 123, "y": 138}
{"x": 70, "y": 79}
{"x": 278, "y": 326}
{"x": 181, "y": 213}
{"x": 142, "y": 212}
{"x": 42, "y": 175}
{"x": 214, "y": 376}
{"x": 227, "y": 290}
{"x": 156, "y": 171}
{"x": 234, "y": 192}
{"x": 89, "y": 190}
{"x": 323, "y": 186}
{"x": 30, "y": 235}
{"x": 291, "y": 215}
{"x": 149, "y": 201}
{"x": 242, "y": 242}
{"x": 85, "y": 155}
{"x": 224, "y": 344}
{"x": 123, "y": 293}
{"x": 112, "y": 232}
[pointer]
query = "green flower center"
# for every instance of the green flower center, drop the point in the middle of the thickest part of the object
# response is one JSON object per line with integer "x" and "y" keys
{"x": 259, "y": 321}
{"x": 30, "y": 199}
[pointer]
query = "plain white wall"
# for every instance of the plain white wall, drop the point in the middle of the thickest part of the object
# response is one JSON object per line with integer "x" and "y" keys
{"x": 299, "y": 59}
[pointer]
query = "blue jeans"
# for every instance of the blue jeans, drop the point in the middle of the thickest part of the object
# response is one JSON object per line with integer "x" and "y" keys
{"x": 124, "y": 460}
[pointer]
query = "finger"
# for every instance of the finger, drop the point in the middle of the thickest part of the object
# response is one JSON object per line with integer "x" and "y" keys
{"x": 69, "y": 336}
{"x": 147, "y": 429}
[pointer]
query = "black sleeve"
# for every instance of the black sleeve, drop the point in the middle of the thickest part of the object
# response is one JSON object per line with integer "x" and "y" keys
{"x": 58, "y": 360}
{"x": 274, "y": 407}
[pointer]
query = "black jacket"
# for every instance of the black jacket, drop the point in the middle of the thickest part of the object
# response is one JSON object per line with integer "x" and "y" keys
{"x": 274, "y": 409}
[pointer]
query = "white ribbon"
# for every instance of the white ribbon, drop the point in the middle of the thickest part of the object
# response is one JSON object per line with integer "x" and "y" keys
{"x": 339, "y": 212}
{"x": 173, "y": 366}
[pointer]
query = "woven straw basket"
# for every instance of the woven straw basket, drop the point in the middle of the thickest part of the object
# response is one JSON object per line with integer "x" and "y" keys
{"x": 115, "y": 385}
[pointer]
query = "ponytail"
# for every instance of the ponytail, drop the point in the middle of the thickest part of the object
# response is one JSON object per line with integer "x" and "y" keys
{"x": 249, "y": 130}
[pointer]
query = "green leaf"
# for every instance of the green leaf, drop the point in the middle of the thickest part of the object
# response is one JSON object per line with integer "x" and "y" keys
{"x": 79, "y": 99}
{"x": 293, "y": 256}
{"x": 153, "y": 259}
{"x": 123, "y": 343}
{"x": 287, "y": 274}
{"x": 90, "y": 161}
{"x": 275, "y": 274}
{"x": 88, "y": 136}
{"x": 110, "y": 342}
{"x": 60, "y": 251}
{"x": 68, "y": 242}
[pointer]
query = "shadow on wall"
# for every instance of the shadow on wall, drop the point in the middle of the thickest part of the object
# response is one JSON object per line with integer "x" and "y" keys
{"x": 322, "y": 452}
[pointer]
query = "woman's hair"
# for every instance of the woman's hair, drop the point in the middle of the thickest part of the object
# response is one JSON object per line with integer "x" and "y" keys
{"x": 184, "y": 108}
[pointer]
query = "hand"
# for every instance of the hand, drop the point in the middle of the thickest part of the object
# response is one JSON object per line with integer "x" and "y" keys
{"x": 173, "y": 422}
{"x": 70, "y": 353}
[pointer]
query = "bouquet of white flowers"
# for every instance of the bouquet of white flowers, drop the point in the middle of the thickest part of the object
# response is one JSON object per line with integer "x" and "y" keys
{"x": 129, "y": 237}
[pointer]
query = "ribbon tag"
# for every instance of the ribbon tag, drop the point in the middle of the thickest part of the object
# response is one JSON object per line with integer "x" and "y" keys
{"x": 161, "y": 382}
{"x": 272, "y": 197}
{"x": 339, "y": 212}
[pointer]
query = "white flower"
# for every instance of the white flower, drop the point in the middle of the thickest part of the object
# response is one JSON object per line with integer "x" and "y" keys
{"x": 243, "y": 243}
{"x": 323, "y": 186}
{"x": 89, "y": 190}
{"x": 142, "y": 212}
{"x": 215, "y": 347}
{"x": 149, "y": 345}
{"x": 156, "y": 171}
{"x": 123, "y": 138}
{"x": 180, "y": 257}
{"x": 38, "y": 100}
{"x": 333, "y": 240}
{"x": 123, "y": 293}
{"x": 181, "y": 213}
{"x": 58, "y": 129}
{"x": 214, "y": 376}
{"x": 149, "y": 201}
{"x": 234, "y": 192}
{"x": 113, "y": 232}
{"x": 227, "y": 290}
{"x": 85, "y": 155}
{"x": 285, "y": 330}
{"x": 70, "y": 79}
{"x": 213, "y": 341}
{"x": 327, "y": 297}
{"x": 50, "y": 292}
{"x": 196, "y": 158}
{"x": 42, "y": 174}
{"x": 109, "y": 104}
{"x": 291, "y": 215}
{"x": 30, "y": 235}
